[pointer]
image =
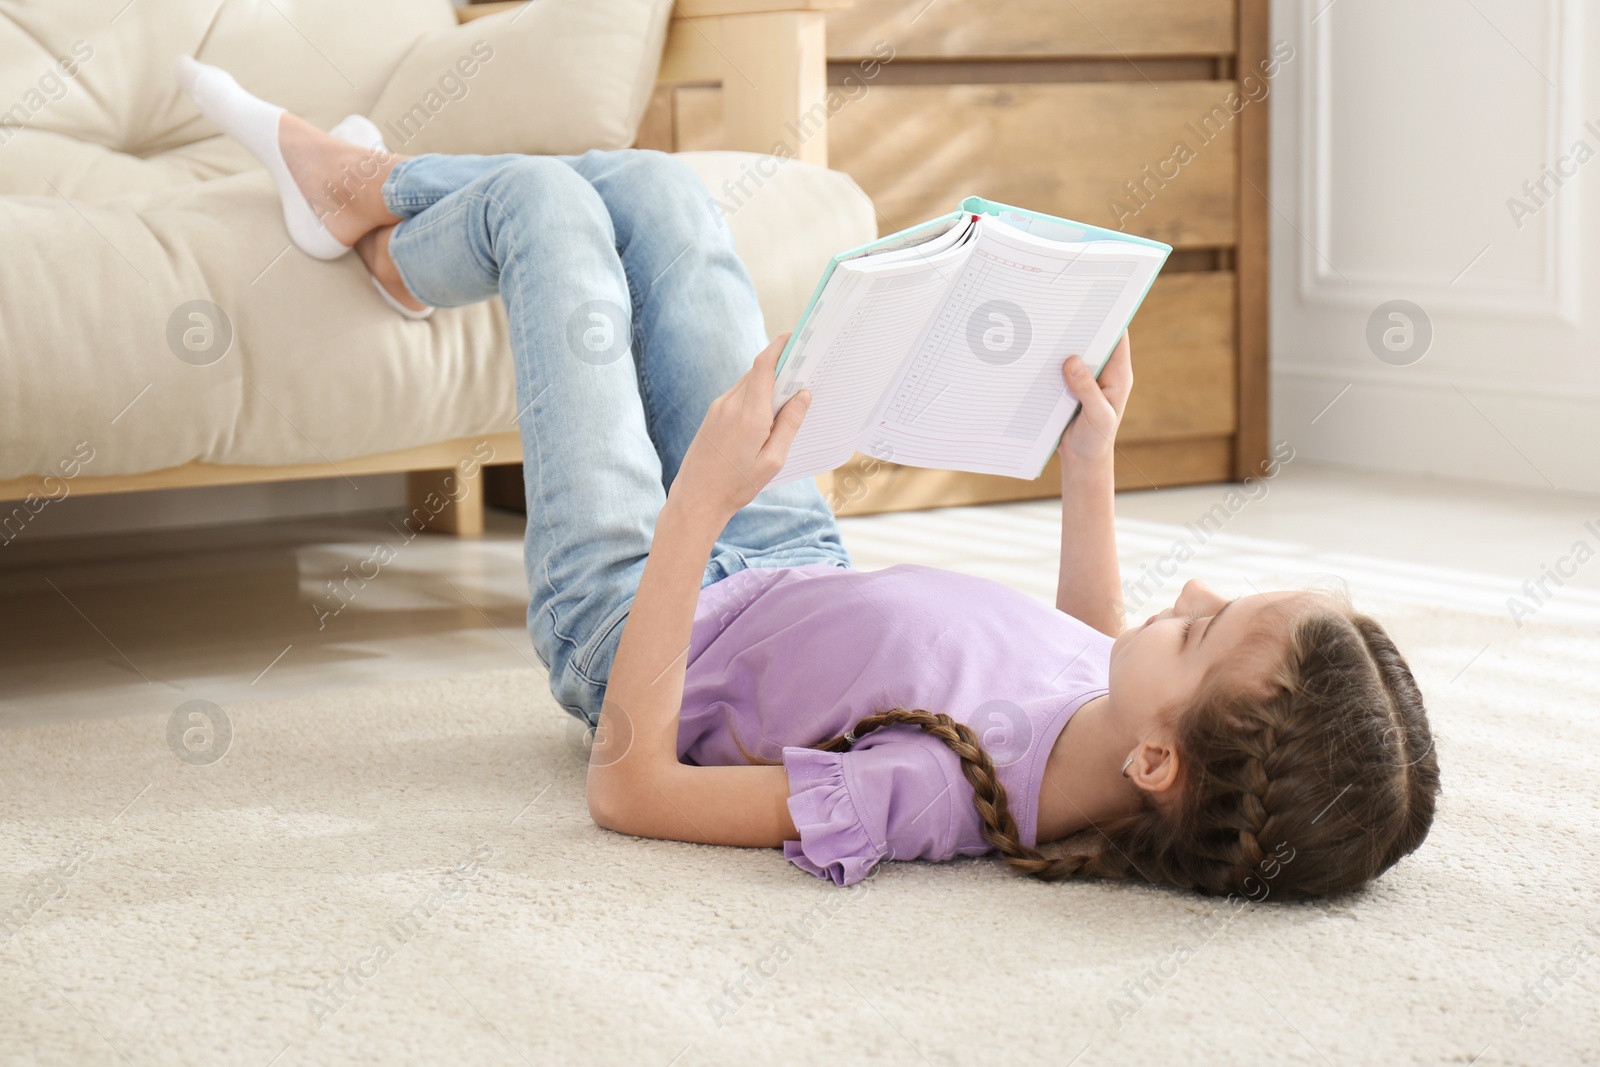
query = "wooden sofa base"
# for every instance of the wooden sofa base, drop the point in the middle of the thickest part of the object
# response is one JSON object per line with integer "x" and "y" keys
{"x": 444, "y": 482}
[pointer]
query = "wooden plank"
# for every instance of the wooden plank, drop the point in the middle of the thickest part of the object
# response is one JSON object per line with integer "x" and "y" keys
{"x": 1024, "y": 70}
{"x": 655, "y": 128}
{"x": 1252, "y": 257}
{"x": 478, "y": 11}
{"x": 1009, "y": 28}
{"x": 1183, "y": 360}
{"x": 865, "y": 486}
{"x": 1096, "y": 152}
{"x": 1187, "y": 461}
{"x": 499, "y": 447}
{"x": 450, "y": 502}
{"x": 698, "y": 8}
{"x": 774, "y": 79}
{"x": 693, "y": 52}
{"x": 682, "y": 9}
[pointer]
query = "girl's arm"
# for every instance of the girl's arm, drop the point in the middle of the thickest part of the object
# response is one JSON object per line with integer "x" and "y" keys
{"x": 636, "y": 783}
{"x": 1089, "y": 584}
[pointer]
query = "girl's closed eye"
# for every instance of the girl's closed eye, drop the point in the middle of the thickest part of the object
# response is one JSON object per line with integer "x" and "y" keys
{"x": 1188, "y": 624}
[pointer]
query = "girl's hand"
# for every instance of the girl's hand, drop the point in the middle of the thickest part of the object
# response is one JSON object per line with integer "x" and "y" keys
{"x": 740, "y": 444}
{"x": 1092, "y": 436}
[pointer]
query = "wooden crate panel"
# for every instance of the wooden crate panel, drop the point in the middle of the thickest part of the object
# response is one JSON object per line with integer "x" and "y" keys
{"x": 655, "y": 126}
{"x": 865, "y": 486}
{"x": 1187, "y": 461}
{"x": 1067, "y": 149}
{"x": 1013, "y": 28}
{"x": 1184, "y": 364}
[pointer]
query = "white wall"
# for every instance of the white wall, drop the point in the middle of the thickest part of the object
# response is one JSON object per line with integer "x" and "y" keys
{"x": 1400, "y": 132}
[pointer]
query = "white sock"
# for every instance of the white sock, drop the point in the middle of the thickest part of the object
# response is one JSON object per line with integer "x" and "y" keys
{"x": 254, "y": 123}
{"x": 427, "y": 309}
{"x": 361, "y": 131}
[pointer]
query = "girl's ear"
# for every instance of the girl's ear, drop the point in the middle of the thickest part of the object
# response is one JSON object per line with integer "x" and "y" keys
{"x": 1156, "y": 768}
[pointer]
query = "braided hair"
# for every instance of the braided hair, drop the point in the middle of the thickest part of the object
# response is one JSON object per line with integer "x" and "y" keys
{"x": 1333, "y": 760}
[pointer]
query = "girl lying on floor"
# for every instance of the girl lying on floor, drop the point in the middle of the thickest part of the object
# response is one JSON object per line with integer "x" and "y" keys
{"x": 745, "y": 685}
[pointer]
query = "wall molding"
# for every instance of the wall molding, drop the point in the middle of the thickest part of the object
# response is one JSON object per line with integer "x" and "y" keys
{"x": 1409, "y": 378}
{"x": 1554, "y": 296}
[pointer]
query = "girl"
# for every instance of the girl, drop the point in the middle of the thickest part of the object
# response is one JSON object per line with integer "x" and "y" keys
{"x": 745, "y": 685}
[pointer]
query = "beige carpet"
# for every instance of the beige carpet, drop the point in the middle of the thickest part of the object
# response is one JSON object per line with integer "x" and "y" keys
{"x": 408, "y": 875}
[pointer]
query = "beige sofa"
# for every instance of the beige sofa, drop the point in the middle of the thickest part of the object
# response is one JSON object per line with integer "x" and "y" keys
{"x": 156, "y": 328}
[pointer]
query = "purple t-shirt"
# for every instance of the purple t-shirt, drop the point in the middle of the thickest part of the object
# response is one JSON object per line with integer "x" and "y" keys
{"x": 782, "y": 658}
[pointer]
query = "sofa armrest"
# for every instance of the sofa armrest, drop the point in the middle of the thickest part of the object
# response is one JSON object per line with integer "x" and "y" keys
{"x": 769, "y": 56}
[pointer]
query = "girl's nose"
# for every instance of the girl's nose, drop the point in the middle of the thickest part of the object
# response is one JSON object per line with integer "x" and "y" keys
{"x": 1197, "y": 597}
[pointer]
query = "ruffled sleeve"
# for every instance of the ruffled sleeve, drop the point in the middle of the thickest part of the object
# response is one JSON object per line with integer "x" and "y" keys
{"x": 852, "y": 809}
{"x": 834, "y": 842}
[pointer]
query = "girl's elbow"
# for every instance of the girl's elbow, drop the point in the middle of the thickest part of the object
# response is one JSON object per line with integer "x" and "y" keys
{"x": 607, "y": 808}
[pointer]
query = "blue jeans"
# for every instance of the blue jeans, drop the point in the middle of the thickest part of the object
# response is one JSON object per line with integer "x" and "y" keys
{"x": 629, "y": 313}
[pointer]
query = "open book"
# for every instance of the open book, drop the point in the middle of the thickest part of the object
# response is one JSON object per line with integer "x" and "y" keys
{"x": 942, "y": 345}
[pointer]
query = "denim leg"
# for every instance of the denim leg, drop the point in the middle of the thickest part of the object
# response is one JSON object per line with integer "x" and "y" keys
{"x": 533, "y": 231}
{"x": 629, "y": 313}
{"x": 428, "y": 179}
{"x": 697, "y": 327}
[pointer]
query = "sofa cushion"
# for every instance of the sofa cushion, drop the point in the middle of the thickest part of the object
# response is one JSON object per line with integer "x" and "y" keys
{"x": 319, "y": 59}
{"x": 562, "y": 76}
{"x": 97, "y": 306}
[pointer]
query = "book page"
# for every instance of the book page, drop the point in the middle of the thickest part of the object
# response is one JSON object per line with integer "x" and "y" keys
{"x": 853, "y": 347}
{"x": 959, "y": 232}
{"x": 983, "y": 389}
{"x": 917, "y": 238}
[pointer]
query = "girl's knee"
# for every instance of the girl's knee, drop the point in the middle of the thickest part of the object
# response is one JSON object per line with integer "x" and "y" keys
{"x": 666, "y": 174}
{"x": 548, "y": 193}
{"x": 659, "y": 190}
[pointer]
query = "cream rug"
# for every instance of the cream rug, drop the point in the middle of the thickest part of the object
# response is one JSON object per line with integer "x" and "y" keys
{"x": 408, "y": 875}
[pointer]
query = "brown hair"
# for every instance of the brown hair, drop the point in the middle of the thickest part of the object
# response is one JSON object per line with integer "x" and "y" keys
{"x": 1333, "y": 761}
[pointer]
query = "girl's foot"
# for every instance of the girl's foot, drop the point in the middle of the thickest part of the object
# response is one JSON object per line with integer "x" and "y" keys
{"x": 331, "y": 190}
{"x": 373, "y": 248}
